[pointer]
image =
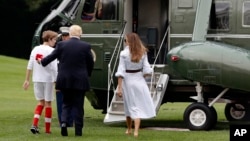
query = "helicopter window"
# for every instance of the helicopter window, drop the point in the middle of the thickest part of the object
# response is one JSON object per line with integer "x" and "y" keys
{"x": 70, "y": 9}
{"x": 220, "y": 16}
{"x": 99, "y": 9}
{"x": 246, "y": 13}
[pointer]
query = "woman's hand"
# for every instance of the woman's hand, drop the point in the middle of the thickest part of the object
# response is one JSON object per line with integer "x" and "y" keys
{"x": 119, "y": 92}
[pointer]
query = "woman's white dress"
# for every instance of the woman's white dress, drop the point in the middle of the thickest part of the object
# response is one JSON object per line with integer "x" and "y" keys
{"x": 136, "y": 95}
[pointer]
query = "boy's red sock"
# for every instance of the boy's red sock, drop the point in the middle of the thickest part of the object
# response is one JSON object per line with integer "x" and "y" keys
{"x": 37, "y": 114}
{"x": 48, "y": 118}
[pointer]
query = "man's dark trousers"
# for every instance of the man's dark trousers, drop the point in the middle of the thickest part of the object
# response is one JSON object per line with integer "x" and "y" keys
{"x": 73, "y": 101}
{"x": 59, "y": 103}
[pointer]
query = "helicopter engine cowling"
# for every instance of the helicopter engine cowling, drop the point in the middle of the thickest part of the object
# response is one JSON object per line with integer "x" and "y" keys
{"x": 212, "y": 63}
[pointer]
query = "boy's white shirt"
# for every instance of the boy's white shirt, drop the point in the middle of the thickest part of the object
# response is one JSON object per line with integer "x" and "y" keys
{"x": 40, "y": 73}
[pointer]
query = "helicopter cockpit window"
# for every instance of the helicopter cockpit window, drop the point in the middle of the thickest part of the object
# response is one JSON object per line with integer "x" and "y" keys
{"x": 246, "y": 14}
{"x": 99, "y": 10}
{"x": 220, "y": 16}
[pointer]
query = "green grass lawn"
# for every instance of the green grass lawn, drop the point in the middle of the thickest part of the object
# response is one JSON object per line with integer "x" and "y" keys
{"x": 17, "y": 106}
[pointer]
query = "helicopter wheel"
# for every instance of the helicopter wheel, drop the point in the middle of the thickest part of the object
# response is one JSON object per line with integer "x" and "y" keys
{"x": 199, "y": 116}
{"x": 237, "y": 111}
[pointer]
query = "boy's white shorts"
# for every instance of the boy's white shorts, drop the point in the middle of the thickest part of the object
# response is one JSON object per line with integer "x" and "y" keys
{"x": 44, "y": 91}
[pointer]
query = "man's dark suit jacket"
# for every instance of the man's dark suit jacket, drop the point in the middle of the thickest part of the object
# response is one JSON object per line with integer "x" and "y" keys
{"x": 75, "y": 64}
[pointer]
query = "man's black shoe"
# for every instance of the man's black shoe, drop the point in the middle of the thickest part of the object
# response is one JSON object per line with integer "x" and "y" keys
{"x": 64, "y": 131}
{"x": 78, "y": 131}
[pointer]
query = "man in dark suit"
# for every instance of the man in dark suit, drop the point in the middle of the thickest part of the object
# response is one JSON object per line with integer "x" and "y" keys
{"x": 74, "y": 69}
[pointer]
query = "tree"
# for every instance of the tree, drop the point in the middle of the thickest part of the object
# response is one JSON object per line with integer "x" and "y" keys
{"x": 21, "y": 17}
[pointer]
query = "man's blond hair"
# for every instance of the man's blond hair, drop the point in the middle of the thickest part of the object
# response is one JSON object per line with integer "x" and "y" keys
{"x": 75, "y": 30}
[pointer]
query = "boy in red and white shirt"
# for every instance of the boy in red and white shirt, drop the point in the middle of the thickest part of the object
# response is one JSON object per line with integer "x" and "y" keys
{"x": 43, "y": 79}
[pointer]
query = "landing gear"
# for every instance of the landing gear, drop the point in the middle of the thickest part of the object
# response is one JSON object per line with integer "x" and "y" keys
{"x": 199, "y": 116}
{"x": 237, "y": 111}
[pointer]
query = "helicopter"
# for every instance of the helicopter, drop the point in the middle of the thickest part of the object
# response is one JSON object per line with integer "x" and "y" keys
{"x": 197, "y": 48}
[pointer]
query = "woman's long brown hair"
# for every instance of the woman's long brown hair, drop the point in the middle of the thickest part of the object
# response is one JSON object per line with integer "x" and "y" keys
{"x": 137, "y": 49}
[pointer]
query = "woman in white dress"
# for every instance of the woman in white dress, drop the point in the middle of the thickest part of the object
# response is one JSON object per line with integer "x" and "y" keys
{"x": 133, "y": 67}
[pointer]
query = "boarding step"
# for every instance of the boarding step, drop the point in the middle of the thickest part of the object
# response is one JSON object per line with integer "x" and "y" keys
{"x": 153, "y": 78}
{"x": 152, "y": 81}
{"x": 117, "y": 106}
{"x": 117, "y": 113}
{"x": 157, "y": 86}
{"x": 118, "y": 98}
{"x": 160, "y": 90}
